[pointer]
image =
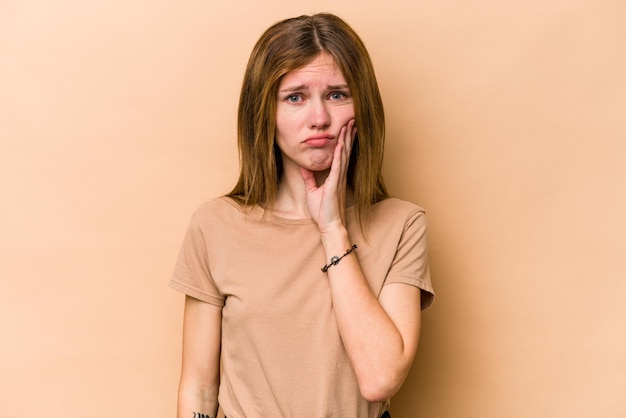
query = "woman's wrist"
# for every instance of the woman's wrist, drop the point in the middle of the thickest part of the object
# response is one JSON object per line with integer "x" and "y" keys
{"x": 336, "y": 239}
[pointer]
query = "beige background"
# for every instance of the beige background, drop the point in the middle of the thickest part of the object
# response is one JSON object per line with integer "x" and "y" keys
{"x": 505, "y": 121}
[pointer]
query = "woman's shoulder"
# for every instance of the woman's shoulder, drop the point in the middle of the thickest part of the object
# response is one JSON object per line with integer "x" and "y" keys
{"x": 394, "y": 214}
{"x": 222, "y": 206}
{"x": 393, "y": 206}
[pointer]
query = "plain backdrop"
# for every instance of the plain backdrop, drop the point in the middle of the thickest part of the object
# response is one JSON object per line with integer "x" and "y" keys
{"x": 506, "y": 122}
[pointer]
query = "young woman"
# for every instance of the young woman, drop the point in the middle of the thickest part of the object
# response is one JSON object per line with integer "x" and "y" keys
{"x": 304, "y": 285}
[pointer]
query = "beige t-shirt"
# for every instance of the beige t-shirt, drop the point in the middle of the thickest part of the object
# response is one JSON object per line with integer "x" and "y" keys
{"x": 282, "y": 354}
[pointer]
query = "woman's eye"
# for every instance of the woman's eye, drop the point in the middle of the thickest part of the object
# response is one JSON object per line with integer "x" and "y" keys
{"x": 293, "y": 98}
{"x": 337, "y": 95}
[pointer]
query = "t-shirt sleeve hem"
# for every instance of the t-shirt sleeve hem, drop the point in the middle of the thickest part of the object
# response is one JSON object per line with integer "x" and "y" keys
{"x": 195, "y": 293}
{"x": 428, "y": 294}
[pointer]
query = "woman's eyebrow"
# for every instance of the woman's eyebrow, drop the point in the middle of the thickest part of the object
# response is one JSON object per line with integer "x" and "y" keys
{"x": 305, "y": 87}
{"x": 338, "y": 87}
{"x": 294, "y": 88}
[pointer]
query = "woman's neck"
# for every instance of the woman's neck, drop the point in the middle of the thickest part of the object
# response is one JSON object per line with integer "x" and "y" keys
{"x": 291, "y": 200}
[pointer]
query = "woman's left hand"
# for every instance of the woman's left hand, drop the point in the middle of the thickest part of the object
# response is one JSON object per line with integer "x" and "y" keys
{"x": 327, "y": 202}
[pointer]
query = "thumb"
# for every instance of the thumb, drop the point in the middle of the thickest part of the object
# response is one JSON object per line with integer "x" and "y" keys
{"x": 309, "y": 179}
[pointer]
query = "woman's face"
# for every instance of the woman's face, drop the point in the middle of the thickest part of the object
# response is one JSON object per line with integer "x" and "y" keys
{"x": 313, "y": 104}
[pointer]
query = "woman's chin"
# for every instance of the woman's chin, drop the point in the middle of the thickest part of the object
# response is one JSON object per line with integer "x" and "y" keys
{"x": 322, "y": 163}
{"x": 317, "y": 167}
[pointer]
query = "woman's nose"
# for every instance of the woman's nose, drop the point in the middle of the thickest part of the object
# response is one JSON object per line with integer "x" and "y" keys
{"x": 319, "y": 117}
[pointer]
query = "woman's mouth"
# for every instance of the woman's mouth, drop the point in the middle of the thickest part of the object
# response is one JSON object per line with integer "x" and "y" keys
{"x": 318, "y": 141}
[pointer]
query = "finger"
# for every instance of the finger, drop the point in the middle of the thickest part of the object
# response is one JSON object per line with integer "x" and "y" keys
{"x": 347, "y": 139}
{"x": 352, "y": 137}
{"x": 309, "y": 179}
{"x": 336, "y": 166}
{"x": 339, "y": 150}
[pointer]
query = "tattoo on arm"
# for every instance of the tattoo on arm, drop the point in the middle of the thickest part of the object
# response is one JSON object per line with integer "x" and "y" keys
{"x": 199, "y": 415}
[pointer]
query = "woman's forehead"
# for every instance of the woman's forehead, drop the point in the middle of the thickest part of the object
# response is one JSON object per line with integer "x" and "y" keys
{"x": 322, "y": 68}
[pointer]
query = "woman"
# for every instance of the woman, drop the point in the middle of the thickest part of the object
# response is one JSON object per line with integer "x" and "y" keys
{"x": 305, "y": 282}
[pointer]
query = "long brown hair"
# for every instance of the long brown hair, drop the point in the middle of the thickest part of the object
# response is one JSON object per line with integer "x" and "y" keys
{"x": 286, "y": 46}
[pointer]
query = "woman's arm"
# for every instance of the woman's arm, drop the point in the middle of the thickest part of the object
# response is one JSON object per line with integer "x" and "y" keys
{"x": 380, "y": 334}
{"x": 200, "y": 375}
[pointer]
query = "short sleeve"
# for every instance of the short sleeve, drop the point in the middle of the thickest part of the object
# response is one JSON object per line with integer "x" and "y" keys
{"x": 410, "y": 264}
{"x": 192, "y": 273}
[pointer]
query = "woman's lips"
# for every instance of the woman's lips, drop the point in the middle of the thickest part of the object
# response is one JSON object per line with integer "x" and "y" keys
{"x": 318, "y": 141}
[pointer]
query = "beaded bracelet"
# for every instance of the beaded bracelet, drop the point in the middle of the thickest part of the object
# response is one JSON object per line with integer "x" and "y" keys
{"x": 335, "y": 260}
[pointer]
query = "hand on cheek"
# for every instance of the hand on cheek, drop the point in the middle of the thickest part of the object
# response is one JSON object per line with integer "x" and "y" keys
{"x": 327, "y": 202}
